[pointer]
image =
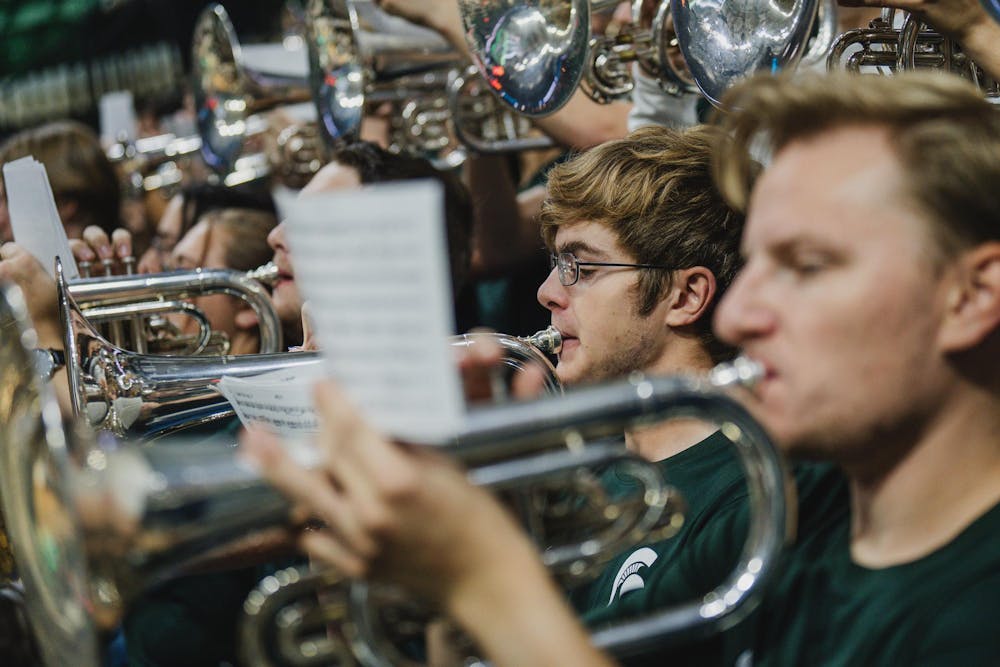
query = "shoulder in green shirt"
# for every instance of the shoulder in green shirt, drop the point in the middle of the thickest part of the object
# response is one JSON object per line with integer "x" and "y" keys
{"x": 827, "y": 610}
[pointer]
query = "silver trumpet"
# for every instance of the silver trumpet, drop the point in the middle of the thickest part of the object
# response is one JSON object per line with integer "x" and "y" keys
{"x": 553, "y": 440}
{"x": 136, "y": 298}
{"x": 91, "y": 530}
{"x": 148, "y": 396}
{"x": 362, "y": 57}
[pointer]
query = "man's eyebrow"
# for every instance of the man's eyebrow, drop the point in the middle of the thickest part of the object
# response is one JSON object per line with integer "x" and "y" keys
{"x": 582, "y": 247}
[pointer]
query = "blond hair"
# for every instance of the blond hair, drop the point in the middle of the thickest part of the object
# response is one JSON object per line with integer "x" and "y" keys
{"x": 946, "y": 138}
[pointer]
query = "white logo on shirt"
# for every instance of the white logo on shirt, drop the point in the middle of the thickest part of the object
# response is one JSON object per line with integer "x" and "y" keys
{"x": 628, "y": 578}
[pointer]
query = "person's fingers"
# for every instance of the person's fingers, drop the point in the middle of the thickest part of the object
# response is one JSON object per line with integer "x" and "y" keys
{"x": 480, "y": 367}
{"x": 323, "y": 547}
{"x": 122, "y": 241}
{"x": 309, "y": 488}
{"x": 354, "y": 454}
{"x": 98, "y": 241}
{"x": 308, "y": 339}
{"x": 246, "y": 319}
{"x": 528, "y": 383}
{"x": 150, "y": 262}
{"x": 81, "y": 251}
{"x": 10, "y": 250}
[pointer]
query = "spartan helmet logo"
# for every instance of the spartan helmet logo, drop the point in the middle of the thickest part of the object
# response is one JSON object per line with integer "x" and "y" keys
{"x": 628, "y": 577}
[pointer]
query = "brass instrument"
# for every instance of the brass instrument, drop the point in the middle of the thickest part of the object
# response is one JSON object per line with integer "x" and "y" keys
{"x": 723, "y": 43}
{"x": 362, "y": 58}
{"x": 140, "y": 300}
{"x": 647, "y": 41}
{"x": 531, "y": 55}
{"x": 150, "y": 164}
{"x": 231, "y": 93}
{"x": 358, "y": 624}
{"x": 91, "y": 529}
{"x": 898, "y": 41}
{"x": 149, "y": 396}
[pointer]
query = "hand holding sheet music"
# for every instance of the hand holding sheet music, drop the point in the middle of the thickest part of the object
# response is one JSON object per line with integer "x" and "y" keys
{"x": 373, "y": 265}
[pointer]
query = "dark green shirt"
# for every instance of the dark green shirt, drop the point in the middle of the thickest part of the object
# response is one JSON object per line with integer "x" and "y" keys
{"x": 710, "y": 479}
{"x": 664, "y": 574}
{"x": 826, "y": 610}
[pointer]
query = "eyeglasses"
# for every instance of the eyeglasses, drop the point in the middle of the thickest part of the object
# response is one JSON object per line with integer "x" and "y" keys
{"x": 568, "y": 267}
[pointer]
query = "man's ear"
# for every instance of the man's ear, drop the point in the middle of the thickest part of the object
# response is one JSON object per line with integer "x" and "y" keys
{"x": 246, "y": 319}
{"x": 973, "y": 300}
{"x": 690, "y": 296}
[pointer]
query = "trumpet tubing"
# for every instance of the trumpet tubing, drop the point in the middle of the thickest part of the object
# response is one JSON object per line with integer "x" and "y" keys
{"x": 133, "y": 298}
{"x": 896, "y": 42}
{"x": 232, "y": 90}
{"x": 149, "y": 396}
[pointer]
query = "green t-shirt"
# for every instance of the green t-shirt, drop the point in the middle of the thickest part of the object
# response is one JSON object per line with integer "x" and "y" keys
{"x": 826, "y": 610}
{"x": 709, "y": 477}
{"x": 654, "y": 576}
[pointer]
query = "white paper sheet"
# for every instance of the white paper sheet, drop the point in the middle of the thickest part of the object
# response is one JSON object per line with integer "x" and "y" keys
{"x": 34, "y": 218}
{"x": 117, "y": 111}
{"x": 373, "y": 265}
{"x": 280, "y": 400}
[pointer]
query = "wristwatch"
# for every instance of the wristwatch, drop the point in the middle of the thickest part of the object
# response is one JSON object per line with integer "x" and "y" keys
{"x": 48, "y": 361}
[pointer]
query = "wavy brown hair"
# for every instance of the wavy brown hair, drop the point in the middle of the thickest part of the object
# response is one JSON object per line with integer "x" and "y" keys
{"x": 654, "y": 190}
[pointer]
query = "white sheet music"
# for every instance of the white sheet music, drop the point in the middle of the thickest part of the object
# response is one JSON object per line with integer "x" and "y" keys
{"x": 280, "y": 400}
{"x": 34, "y": 218}
{"x": 373, "y": 265}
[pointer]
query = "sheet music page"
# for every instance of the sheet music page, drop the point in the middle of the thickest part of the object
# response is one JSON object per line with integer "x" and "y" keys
{"x": 280, "y": 400}
{"x": 372, "y": 264}
{"x": 34, "y": 218}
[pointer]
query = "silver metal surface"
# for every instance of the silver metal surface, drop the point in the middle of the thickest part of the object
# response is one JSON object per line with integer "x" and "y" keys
{"x": 360, "y": 56}
{"x": 532, "y": 54}
{"x": 724, "y": 41}
{"x": 127, "y": 297}
{"x": 230, "y": 93}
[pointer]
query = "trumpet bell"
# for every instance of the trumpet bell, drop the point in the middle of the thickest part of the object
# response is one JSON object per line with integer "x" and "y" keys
{"x": 725, "y": 42}
{"x": 360, "y": 55}
{"x": 532, "y": 53}
{"x": 230, "y": 91}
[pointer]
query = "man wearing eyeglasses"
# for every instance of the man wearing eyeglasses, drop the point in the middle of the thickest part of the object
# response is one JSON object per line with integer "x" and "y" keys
{"x": 642, "y": 246}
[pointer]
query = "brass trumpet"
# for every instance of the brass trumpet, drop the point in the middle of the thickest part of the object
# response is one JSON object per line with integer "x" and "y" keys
{"x": 358, "y": 624}
{"x": 231, "y": 94}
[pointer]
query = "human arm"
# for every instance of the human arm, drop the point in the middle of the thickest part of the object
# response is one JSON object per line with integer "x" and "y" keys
{"x": 505, "y": 228}
{"x": 20, "y": 267}
{"x": 407, "y": 516}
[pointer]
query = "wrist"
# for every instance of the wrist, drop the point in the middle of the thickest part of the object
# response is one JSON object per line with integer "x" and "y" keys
{"x": 979, "y": 40}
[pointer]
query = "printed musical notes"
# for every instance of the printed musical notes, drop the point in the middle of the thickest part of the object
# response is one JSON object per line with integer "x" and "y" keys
{"x": 373, "y": 265}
